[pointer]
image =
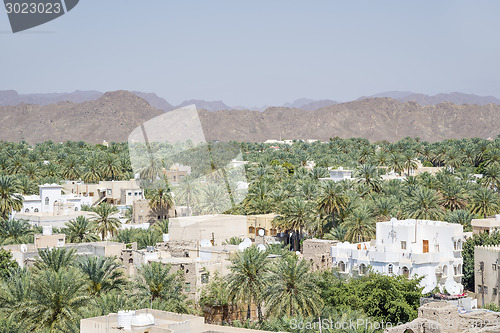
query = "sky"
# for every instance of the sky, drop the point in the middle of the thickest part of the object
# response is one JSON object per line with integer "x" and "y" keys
{"x": 258, "y": 52}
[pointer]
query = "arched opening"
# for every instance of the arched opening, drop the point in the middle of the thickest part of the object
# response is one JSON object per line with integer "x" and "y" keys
{"x": 46, "y": 201}
{"x": 76, "y": 209}
{"x": 362, "y": 269}
{"x": 341, "y": 266}
{"x": 459, "y": 269}
{"x": 445, "y": 271}
{"x": 36, "y": 210}
{"x": 459, "y": 244}
{"x": 406, "y": 272}
{"x": 251, "y": 230}
{"x": 26, "y": 210}
{"x": 390, "y": 269}
{"x": 131, "y": 261}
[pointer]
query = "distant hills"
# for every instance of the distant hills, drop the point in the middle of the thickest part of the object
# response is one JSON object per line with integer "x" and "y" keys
{"x": 422, "y": 99}
{"x": 114, "y": 115}
{"x": 12, "y": 97}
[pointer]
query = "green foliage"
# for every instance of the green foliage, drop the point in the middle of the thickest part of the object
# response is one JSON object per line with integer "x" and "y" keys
{"x": 468, "y": 255}
{"x": 6, "y": 263}
{"x": 382, "y": 297}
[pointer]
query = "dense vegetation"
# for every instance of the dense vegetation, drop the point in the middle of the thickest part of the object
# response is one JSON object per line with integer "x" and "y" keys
{"x": 279, "y": 182}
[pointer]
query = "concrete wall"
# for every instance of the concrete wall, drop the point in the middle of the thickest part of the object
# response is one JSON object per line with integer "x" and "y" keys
{"x": 490, "y": 256}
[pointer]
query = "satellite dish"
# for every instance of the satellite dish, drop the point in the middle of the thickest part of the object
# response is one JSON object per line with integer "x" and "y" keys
{"x": 205, "y": 243}
{"x": 24, "y": 248}
{"x": 261, "y": 232}
{"x": 243, "y": 246}
{"x": 261, "y": 247}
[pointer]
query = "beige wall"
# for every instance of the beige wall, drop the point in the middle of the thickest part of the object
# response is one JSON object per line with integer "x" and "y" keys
{"x": 45, "y": 241}
{"x": 256, "y": 222}
{"x": 111, "y": 190}
{"x": 144, "y": 214}
{"x": 491, "y": 258}
{"x": 317, "y": 252}
{"x": 220, "y": 227}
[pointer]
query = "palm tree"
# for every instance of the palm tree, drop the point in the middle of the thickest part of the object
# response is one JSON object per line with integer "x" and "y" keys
{"x": 368, "y": 174}
{"x": 294, "y": 215}
{"x": 55, "y": 259}
{"x": 385, "y": 207}
{"x": 105, "y": 222}
{"x": 484, "y": 202}
{"x": 453, "y": 196}
{"x": 92, "y": 170}
{"x": 9, "y": 200}
{"x": 246, "y": 282}
{"x": 491, "y": 176}
{"x": 103, "y": 274}
{"x": 330, "y": 200}
{"x": 110, "y": 167}
{"x": 160, "y": 200}
{"x": 423, "y": 204}
{"x": 463, "y": 217}
{"x": 56, "y": 301}
{"x": 409, "y": 162}
{"x": 360, "y": 225}
{"x": 15, "y": 231}
{"x": 147, "y": 238}
{"x": 213, "y": 200}
{"x": 291, "y": 290}
{"x": 187, "y": 191}
{"x": 155, "y": 282}
{"x": 71, "y": 168}
{"x": 15, "y": 290}
{"x": 337, "y": 233}
{"x": 80, "y": 230}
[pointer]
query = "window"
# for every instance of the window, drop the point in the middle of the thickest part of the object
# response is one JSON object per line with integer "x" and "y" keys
{"x": 362, "y": 269}
{"x": 76, "y": 209}
{"x": 129, "y": 194}
{"x": 46, "y": 201}
{"x": 131, "y": 261}
{"x": 479, "y": 289}
{"x": 36, "y": 210}
{"x": 187, "y": 287}
{"x": 204, "y": 278}
{"x": 455, "y": 270}
{"x": 445, "y": 271}
{"x": 140, "y": 193}
{"x": 390, "y": 269}
{"x": 494, "y": 267}
{"x": 135, "y": 193}
{"x": 26, "y": 210}
{"x": 495, "y": 291}
{"x": 251, "y": 230}
{"x": 109, "y": 191}
{"x": 91, "y": 194}
{"x": 403, "y": 245}
{"x": 485, "y": 290}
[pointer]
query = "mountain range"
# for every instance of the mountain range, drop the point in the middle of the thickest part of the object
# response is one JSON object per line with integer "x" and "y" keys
{"x": 12, "y": 97}
{"x": 114, "y": 115}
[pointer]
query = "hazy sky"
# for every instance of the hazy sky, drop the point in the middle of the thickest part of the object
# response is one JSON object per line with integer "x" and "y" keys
{"x": 259, "y": 52}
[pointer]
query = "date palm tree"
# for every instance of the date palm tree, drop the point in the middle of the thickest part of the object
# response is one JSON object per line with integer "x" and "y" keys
{"x": 80, "y": 230}
{"x": 55, "y": 259}
{"x": 156, "y": 283}
{"x": 360, "y": 225}
{"x": 103, "y": 274}
{"x": 331, "y": 200}
{"x": 71, "y": 168}
{"x": 294, "y": 215}
{"x": 105, "y": 223}
{"x": 15, "y": 232}
{"x": 15, "y": 291}
{"x": 453, "y": 196}
{"x": 188, "y": 191}
{"x": 246, "y": 282}
{"x": 160, "y": 200}
{"x": 56, "y": 301}
{"x": 368, "y": 174}
{"x": 9, "y": 199}
{"x": 291, "y": 290}
{"x": 484, "y": 202}
{"x": 423, "y": 204}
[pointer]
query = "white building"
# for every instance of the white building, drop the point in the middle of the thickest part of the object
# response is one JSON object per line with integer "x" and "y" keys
{"x": 339, "y": 174}
{"x": 52, "y": 202}
{"x": 432, "y": 249}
